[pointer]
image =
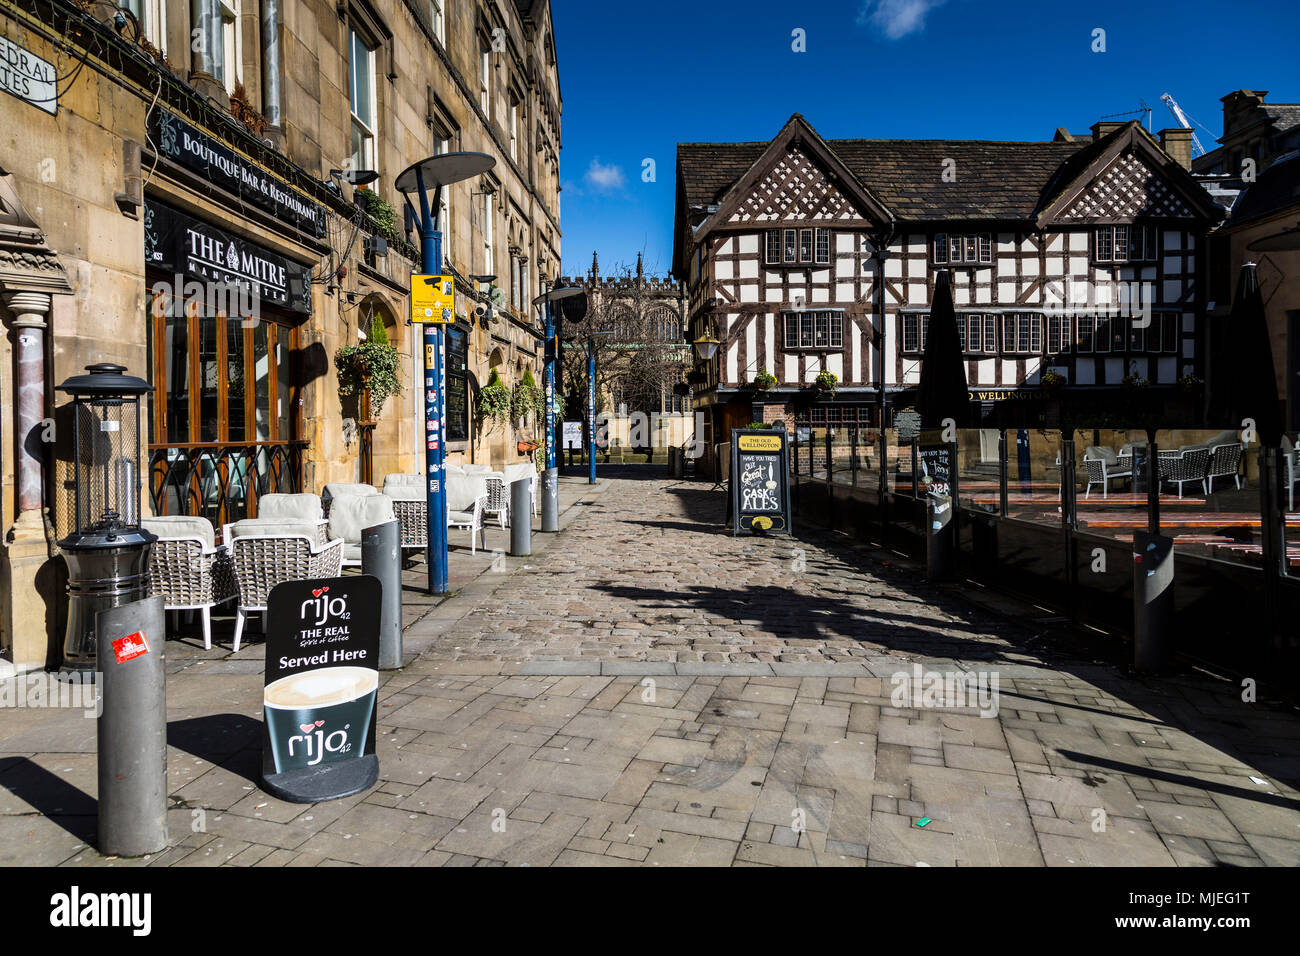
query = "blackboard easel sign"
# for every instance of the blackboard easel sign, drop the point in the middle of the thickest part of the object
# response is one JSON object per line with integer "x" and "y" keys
{"x": 760, "y": 486}
{"x": 319, "y": 694}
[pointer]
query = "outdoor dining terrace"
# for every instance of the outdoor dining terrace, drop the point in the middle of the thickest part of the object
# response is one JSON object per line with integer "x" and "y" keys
{"x": 1053, "y": 515}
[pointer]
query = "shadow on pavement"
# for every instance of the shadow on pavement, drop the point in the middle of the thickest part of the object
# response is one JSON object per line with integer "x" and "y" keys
{"x": 51, "y": 796}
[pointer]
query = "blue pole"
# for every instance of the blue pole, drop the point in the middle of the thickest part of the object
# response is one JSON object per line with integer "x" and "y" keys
{"x": 591, "y": 410}
{"x": 434, "y": 383}
{"x": 551, "y": 480}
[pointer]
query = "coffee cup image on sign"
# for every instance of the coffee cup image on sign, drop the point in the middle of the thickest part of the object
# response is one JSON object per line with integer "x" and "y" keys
{"x": 320, "y": 716}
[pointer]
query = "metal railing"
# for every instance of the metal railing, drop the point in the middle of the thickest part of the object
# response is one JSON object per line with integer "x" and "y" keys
{"x": 220, "y": 481}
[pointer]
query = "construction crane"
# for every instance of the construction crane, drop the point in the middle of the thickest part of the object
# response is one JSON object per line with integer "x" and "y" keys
{"x": 1182, "y": 121}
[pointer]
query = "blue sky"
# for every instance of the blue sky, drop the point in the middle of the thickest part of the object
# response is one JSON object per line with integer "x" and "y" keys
{"x": 639, "y": 76}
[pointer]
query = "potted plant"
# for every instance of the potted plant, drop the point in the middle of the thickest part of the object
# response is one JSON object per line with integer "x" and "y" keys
{"x": 370, "y": 364}
{"x": 826, "y": 381}
{"x": 494, "y": 401}
{"x": 1191, "y": 383}
{"x": 764, "y": 380}
{"x": 526, "y": 399}
{"x": 1133, "y": 380}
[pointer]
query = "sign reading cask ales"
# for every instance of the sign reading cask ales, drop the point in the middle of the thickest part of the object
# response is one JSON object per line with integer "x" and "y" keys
{"x": 322, "y": 679}
{"x": 760, "y": 487}
{"x": 936, "y": 464}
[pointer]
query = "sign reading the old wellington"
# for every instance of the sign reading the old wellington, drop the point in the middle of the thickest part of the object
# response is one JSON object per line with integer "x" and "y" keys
{"x": 433, "y": 299}
{"x": 760, "y": 489}
{"x": 196, "y": 150}
{"x": 179, "y": 243}
{"x": 322, "y": 678}
{"x": 28, "y": 77}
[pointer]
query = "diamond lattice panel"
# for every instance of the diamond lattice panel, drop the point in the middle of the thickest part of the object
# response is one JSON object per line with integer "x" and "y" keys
{"x": 1126, "y": 189}
{"x": 795, "y": 189}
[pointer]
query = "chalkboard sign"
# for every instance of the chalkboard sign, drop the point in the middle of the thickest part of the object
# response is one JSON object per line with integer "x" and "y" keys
{"x": 936, "y": 469}
{"x": 760, "y": 489}
{"x": 322, "y": 679}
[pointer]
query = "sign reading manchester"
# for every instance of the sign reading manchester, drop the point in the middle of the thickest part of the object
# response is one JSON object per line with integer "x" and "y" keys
{"x": 322, "y": 679}
{"x": 196, "y": 150}
{"x": 180, "y": 243}
{"x": 760, "y": 489}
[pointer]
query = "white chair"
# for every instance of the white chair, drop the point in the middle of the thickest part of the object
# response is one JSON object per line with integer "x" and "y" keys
{"x": 1104, "y": 466}
{"x": 512, "y": 473}
{"x": 1186, "y": 464}
{"x": 336, "y": 488}
{"x": 294, "y": 507}
{"x": 1225, "y": 461}
{"x": 498, "y": 501}
{"x": 351, "y": 514}
{"x": 265, "y": 553}
{"x": 1291, "y": 455}
{"x": 466, "y": 498}
{"x": 187, "y": 569}
{"x": 411, "y": 506}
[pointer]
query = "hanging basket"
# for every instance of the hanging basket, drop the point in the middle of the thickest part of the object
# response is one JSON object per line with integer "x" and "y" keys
{"x": 528, "y": 446}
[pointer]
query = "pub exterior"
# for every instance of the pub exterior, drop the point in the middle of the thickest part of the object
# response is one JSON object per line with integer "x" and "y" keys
{"x": 176, "y": 197}
{"x": 1081, "y": 256}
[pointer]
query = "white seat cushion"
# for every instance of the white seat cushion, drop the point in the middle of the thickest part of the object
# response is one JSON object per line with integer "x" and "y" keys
{"x": 405, "y": 487}
{"x": 336, "y": 488}
{"x": 513, "y": 473}
{"x": 475, "y": 469}
{"x": 301, "y": 507}
{"x": 180, "y": 526}
{"x": 460, "y": 517}
{"x": 352, "y": 514}
{"x": 273, "y": 528}
{"x": 1103, "y": 453}
{"x": 463, "y": 489}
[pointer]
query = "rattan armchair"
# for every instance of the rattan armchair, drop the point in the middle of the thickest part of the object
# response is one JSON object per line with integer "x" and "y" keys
{"x": 1103, "y": 467}
{"x": 1184, "y": 465}
{"x": 1225, "y": 461}
{"x": 498, "y": 497}
{"x": 266, "y": 553}
{"x": 187, "y": 570}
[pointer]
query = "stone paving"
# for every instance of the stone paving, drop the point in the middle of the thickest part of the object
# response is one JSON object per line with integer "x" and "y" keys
{"x": 648, "y": 690}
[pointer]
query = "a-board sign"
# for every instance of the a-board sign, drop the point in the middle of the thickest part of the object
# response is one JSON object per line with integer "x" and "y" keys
{"x": 322, "y": 680}
{"x": 573, "y": 435}
{"x": 936, "y": 465}
{"x": 760, "y": 487}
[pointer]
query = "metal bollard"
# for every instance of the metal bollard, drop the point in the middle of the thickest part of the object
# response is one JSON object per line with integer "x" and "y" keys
{"x": 132, "y": 728}
{"x": 551, "y": 500}
{"x": 521, "y": 517}
{"x": 939, "y": 545}
{"x": 1153, "y": 601}
{"x": 381, "y": 556}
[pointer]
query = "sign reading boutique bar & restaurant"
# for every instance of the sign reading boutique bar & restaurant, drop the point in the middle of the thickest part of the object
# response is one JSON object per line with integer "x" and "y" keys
{"x": 179, "y": 243}
{"x": 196, "y": 150}
{"x": 322, "y": 678}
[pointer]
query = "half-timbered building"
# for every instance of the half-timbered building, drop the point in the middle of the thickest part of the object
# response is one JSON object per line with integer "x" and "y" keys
{"x": 1081, "y": 255}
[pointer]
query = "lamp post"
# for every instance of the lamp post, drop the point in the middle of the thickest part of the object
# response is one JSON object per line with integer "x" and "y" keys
{"x": 435, "y": 173}
{"x": 591, "y": 405}
{"x": 572, "y": 308}
{"x": 706, "y": 346}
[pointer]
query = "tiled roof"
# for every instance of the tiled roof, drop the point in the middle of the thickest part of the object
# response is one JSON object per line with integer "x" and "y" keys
{"x": 1276, "y": 189}
{"x": 994, "y": 180}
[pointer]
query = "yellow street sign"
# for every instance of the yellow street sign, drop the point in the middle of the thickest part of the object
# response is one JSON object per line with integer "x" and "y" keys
{"x": 432, "y": 299}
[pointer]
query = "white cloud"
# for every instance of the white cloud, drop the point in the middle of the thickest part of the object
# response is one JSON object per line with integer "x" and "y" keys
{"x": 896, "y": 18}
{"x": 603, "y": 178}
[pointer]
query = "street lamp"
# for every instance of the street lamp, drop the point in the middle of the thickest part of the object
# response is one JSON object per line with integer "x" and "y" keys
{"x": 706, "y": 346}
{"x": 591, "y": 405}
{"x": 571, "y": 308}
{"x": 435, "y": 173}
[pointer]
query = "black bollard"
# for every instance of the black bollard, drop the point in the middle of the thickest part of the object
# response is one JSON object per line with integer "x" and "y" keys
{"x": 1153, "y": 601}
{"x": 132, "y": 728}
{"x": 521, "y": 517}
{"x": 938, "y": 537}
{"x": 381, "y": 556}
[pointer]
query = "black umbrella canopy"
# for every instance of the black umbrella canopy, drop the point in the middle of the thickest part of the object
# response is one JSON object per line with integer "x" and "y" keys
{"x": 942, "y": 393}
{"x": 1243, "y": 383}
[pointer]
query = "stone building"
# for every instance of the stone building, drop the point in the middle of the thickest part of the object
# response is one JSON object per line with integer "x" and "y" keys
{"x": 643, "y": 360}
{"x": 1082, "y": 255}
{"x": 207, "y": 147}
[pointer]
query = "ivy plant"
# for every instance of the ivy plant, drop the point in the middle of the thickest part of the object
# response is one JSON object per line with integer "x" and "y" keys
{"x": 527, "y": 399}
{"x": 494, "y": 400}
{"x": 373, "y": 359}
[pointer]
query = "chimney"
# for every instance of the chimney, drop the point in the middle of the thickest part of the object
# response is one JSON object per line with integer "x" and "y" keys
{"x": 1104, "y": 127}
{"x": 1177, "y": 144}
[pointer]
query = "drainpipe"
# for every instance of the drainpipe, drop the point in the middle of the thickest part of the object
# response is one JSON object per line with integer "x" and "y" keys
{"x": 271, "y": 61}
{"x": 205, "y": 27}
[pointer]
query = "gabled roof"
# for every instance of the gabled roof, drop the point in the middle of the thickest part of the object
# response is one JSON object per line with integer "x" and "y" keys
{"x": 1276, "y": 190}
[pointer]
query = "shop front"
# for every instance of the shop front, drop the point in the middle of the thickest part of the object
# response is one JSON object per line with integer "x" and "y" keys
{"x": 224, "y": 362}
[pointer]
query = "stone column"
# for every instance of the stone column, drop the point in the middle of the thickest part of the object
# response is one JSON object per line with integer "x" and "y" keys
{"x": 30, "y": 608}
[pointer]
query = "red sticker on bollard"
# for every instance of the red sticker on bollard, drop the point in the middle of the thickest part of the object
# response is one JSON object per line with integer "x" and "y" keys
{"x": 131, "y": 646}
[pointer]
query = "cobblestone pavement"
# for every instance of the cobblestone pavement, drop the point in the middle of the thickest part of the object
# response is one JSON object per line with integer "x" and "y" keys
{"x": 650, "y": 691}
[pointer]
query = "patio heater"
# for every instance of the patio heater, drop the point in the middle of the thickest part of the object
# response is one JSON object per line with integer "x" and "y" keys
{"x": 108, "y": 551}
